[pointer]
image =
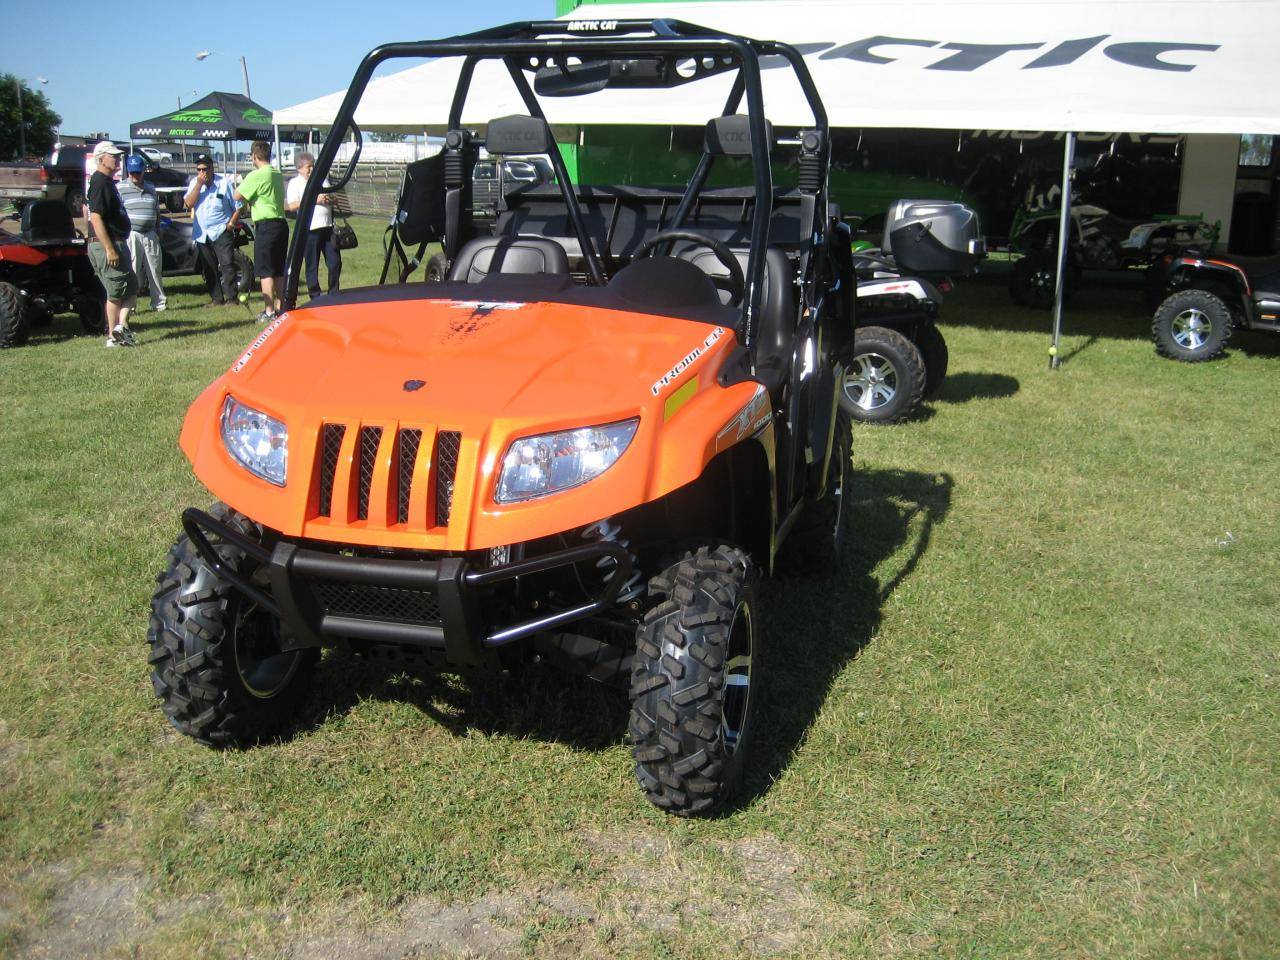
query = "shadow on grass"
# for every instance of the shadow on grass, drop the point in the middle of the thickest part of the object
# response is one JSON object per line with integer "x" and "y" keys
{"x": 817, "y": 627}
{"x": 963, "y": 387}
{"x": 1255, "y": 343}
{"x": 1107, "y": 304}
{"x": 813, "y": 629}
{"x": 176, "y": 329}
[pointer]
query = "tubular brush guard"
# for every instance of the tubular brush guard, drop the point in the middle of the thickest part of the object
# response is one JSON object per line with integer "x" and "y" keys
{"x": 450, "y": 583}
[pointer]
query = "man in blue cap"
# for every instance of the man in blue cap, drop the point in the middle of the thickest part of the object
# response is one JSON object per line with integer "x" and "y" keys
{"x": 143, "y": 209}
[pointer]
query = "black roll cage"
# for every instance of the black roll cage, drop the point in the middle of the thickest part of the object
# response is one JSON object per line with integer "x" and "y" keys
{"x": 516, "y": 43}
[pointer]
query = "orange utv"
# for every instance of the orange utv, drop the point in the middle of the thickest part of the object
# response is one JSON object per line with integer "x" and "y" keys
{"x": 582, "y": 447}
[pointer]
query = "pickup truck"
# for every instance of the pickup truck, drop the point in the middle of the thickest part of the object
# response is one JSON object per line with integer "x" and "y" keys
{"x": 65, "y": 174}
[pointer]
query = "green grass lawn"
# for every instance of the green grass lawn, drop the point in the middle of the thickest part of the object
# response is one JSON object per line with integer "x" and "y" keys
{"x": 1034, "y": 715}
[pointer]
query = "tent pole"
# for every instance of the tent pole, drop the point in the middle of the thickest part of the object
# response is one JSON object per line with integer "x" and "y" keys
{"x": 275, "y": 127}
{"x": 1064, "y": 252}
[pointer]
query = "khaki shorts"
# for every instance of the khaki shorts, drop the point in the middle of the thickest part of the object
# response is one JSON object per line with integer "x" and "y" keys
{"x": 120, "y": 282}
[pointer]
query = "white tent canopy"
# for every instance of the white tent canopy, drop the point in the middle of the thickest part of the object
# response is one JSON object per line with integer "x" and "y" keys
{"x": 1154, "y": 66}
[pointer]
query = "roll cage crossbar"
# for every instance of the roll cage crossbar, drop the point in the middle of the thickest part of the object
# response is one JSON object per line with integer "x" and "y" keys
{"x": 526, "y": 46}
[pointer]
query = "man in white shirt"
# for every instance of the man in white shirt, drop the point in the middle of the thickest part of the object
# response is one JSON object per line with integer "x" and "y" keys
{"x": 320, "y": 240}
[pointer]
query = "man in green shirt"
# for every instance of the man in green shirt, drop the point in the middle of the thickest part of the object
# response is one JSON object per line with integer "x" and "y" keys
{"x": 263, "y": 192}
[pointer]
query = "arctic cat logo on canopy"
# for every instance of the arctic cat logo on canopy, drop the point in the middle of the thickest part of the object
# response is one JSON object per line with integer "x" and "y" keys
{"x": 592, "y": 26}
{"x": 196, "y": 116}
{"x": 254, "y": 115}
{"x": 967, "y": 57}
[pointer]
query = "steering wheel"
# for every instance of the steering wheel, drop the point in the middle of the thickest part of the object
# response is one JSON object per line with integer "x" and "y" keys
{"x": 737, "y": 282}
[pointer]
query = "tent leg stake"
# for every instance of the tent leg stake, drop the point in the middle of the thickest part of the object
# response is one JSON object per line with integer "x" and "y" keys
{"x": 1064, "y": 251}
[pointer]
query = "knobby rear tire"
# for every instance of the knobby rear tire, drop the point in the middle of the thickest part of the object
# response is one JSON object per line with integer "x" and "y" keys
{"x": 14, "y": 317}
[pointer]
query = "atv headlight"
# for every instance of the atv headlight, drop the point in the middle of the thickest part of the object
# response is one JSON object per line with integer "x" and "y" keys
{"x": 259, "y": 442}
{"x": 551, "y": 462}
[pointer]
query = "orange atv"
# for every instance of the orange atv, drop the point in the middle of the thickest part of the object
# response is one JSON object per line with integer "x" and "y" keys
{"x": 582, "y": 447}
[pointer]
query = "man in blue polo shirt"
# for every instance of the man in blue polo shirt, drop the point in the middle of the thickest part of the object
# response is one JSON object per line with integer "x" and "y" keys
{"x": 210, "y": 198}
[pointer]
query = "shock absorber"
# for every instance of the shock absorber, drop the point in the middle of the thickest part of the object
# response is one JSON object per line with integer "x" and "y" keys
{"x": 607, "y": 530}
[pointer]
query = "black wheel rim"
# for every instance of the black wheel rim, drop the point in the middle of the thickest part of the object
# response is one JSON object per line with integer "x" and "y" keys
{"x": 737, "y": 678}
{"x": 837, "y": 489}
{"x": 265, "y": 669}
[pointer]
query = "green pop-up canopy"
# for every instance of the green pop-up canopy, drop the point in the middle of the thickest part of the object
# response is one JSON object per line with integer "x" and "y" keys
{"x": 217, "y": 116}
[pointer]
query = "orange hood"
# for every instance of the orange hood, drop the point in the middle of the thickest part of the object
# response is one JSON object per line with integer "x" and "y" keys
{"x": 488, "y": 372}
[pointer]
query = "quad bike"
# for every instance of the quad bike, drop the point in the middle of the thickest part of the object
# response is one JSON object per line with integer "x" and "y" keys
{"x": 44, "y": 271}
{"x": 581, "y": 448}
{"x": 1098, "y": 240}
{"x": 899, "y": 356}
{"x": 1205, "y": 298}
{"x": 180, "y": 257}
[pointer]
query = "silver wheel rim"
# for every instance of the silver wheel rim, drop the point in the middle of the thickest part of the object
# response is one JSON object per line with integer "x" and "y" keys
{"x": 871, "y": 381}
{"x": 1192, "y": 328}
{"x": 737, "y": 678}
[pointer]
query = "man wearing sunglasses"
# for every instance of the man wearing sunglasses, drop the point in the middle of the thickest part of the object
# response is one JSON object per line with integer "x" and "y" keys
{"x": 210, "y": 198}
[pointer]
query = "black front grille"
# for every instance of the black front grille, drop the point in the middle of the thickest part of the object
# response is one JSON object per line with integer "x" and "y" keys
{"x": 407, "y": 453}
{"x": 331, "y": 435}
{"x": 370, "y": 437}
{"x": 448, "y": 442}
{"x": 394, "y": 604}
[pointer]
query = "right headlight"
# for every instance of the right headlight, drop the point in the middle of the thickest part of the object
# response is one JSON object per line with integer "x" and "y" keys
{"x": 259, "y": 442}
{"x": 551, "y": 462}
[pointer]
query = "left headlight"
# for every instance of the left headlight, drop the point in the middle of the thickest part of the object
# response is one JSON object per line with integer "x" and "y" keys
{"x": 259, "y": 442}
{"x": 551, "y": 462}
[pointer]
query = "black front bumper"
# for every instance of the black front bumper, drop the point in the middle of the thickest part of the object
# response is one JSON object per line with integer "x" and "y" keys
{"x": 323, "y": 597}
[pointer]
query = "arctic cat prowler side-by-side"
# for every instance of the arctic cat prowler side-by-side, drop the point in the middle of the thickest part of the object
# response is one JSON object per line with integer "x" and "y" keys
{"x": 583, "y": 447}
{"x": 899, "y": 357}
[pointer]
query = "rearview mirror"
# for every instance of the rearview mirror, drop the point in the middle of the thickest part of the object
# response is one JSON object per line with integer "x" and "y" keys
{"x": 572, "y": 80}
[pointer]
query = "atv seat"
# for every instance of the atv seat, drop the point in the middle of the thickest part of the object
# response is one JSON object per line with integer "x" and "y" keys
{"x": 1263, "y": 274}
{"x": 775, "y": 329}
{"x": 489, "y": 255}
{"x": 48, "y": 223}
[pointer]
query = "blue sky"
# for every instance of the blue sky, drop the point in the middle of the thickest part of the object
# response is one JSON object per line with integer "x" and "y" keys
{"x": 109, "y": 65}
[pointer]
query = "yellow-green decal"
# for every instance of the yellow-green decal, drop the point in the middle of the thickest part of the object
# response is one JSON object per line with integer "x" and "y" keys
{"x": 679, "y": 398}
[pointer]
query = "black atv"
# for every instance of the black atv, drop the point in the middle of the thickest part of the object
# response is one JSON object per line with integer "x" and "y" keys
{"x": 899, "y": 355}
{"x": 180, "y": 257}
{"x": 1099, "y": 240}
{"x": 45, "y": 270}
{"x": 1205, "y": 298}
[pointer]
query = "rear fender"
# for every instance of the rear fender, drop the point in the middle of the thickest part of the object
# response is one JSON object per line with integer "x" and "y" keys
{"x": 1218, "y": 277}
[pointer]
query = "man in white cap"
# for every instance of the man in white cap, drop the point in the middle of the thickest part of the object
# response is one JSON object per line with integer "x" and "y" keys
{"x": 107, "y": 248}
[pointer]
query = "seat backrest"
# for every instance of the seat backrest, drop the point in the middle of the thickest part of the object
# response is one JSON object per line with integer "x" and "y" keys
{"x": 775, "y": 328}
{"x": 488, "y": 255}
{"x": 44, "y": 220}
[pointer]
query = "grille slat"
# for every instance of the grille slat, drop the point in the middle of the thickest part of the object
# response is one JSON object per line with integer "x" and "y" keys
{"x": 331, "y": 435}
{"x": 370, "y": 437}
{"x": 408, "y": 456}
{"x": 448, "y": 443}
{"x": 361, "y": 475}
